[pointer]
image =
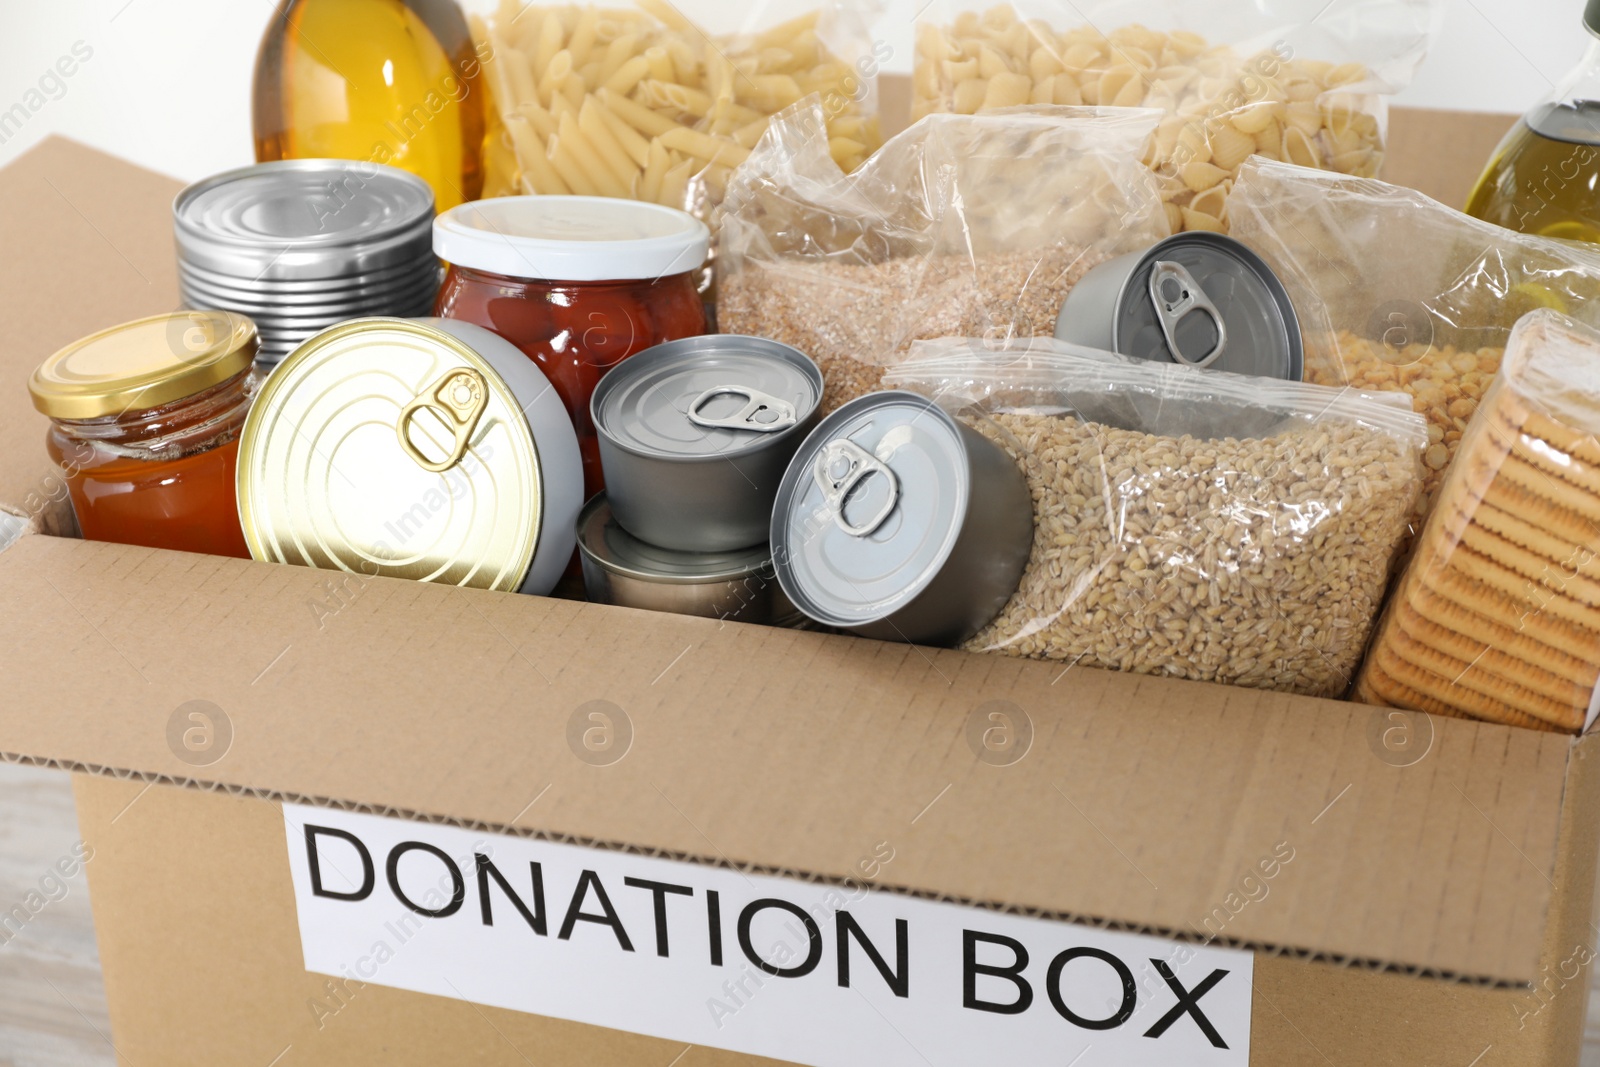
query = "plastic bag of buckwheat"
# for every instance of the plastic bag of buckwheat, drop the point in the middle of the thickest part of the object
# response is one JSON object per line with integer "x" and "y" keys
{"x": 963, "y": 225}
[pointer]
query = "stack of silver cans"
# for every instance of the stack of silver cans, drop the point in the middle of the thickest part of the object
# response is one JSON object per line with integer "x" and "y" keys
{"x": 695, "y": 436}
{"x": 300, "y": 245}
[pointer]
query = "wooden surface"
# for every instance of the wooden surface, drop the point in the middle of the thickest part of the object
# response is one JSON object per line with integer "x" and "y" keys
{"x": 52, "y": 1003}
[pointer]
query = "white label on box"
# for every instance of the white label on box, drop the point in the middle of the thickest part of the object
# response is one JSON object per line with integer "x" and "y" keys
{"x": 823, "y": 975}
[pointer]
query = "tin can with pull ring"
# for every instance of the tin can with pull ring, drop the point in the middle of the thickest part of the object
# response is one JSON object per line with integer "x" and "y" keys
{"x": 695, "y": 436}
{"x": 459, "y": 397}
{"x": 896, "y": 521}
{"x": 414, "y": 448}
{"x": 1197, "y": 298}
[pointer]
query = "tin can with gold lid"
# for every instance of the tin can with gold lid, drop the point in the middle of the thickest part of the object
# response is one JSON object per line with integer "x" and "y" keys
{"x": 412, "y": 448}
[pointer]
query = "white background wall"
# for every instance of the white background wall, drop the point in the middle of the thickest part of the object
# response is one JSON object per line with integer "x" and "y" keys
{"x": 168, "y": 84}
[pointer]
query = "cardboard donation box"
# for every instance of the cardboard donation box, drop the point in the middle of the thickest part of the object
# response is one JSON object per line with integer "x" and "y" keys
{"x": 340, "y": 820}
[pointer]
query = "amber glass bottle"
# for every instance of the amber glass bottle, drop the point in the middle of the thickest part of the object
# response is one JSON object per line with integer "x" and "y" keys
{"x": 1544, "y": 177}
{"x": 387, "y": 81}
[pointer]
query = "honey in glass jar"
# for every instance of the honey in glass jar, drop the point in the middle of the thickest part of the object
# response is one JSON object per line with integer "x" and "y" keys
{"x": 145, "y": 421}
{"x": 396, "y": 82}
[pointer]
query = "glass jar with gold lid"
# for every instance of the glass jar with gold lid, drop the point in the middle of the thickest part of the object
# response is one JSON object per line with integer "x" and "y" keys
{"x": 145, "y": 420}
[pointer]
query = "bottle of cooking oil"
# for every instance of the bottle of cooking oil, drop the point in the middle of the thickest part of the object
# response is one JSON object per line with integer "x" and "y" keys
{"x": 386, "y": 81}
{"x": 1545, "y": 176}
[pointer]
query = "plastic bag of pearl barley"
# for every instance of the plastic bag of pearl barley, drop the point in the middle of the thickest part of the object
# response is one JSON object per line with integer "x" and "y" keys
{"x": 1188, "y": 522}
{"x": 1396, "y": 292}
{"x": 1300, "y": 80}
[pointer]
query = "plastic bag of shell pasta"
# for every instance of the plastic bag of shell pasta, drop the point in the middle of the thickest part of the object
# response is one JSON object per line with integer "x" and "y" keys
{"x": 1276, "y": 78}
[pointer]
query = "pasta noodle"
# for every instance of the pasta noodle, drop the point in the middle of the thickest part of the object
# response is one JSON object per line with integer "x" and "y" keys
{"x": 1222, "y": 107}
{"x": 640, "y": 102}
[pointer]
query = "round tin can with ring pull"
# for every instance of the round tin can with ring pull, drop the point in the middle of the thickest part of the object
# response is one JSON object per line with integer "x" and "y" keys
{"x": 695, "y": 436}
{"x": 1198, "y": 299}
{"x": 414, "y": 448}
{"x": 898, "y": 522}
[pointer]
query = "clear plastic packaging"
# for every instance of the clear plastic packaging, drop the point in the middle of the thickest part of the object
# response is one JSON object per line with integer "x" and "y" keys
{"x": 1189, "y": 523}
{"x": 1497, "y": 615}
{"x": 1397, "y": 292}
{"x": 1230, "y": 78}
{"x": 959, "y": 226}
{"x": 661, "y": 101}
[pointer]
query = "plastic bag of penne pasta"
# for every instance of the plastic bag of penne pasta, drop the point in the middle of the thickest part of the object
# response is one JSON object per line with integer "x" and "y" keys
{"x": 1232, "y": 79}
{"x": 661, "y": 101}
{"x": 1396, "y": 292}
{"x": 962, "y": 225}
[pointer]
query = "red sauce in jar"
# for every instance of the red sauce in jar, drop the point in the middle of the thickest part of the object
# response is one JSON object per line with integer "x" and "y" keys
{"x": 576, "y": 331}
{"x": 577, "y": 283}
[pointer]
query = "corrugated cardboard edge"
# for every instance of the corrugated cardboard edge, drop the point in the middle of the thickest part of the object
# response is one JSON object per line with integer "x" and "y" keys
{"x": 1305, "y": 1019}
{"x": 1584, "y": 851}
{"x": 1570, "y": 920}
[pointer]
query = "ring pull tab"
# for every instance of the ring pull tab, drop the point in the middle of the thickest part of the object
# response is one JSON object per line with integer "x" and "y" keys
{"x": 1176, "y": 295}
{"x": 761, "y": 413}
{"x": 840, "y": 467}
{"x": 458, "y": 400}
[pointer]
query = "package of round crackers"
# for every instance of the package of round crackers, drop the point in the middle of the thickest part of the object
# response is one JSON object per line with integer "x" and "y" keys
{"x": 1497, "y": 615}
{"x": 1396, "y": 292}
{"x": 1230, "y": 79}
{"x": 1188, "y": 523}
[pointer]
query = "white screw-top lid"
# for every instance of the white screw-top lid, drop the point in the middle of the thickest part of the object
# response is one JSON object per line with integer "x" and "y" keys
{"x": 571, "y": 238}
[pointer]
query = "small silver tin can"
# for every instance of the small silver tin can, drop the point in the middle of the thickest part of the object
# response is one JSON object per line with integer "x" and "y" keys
{"x": 898, "y": 522}
{"x": 695, "y": 436}
{"x": 1198, "y": 299}
{"x": 620, "y": 569}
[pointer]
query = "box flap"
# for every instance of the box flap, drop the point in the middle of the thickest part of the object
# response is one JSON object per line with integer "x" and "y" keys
{"x": 1140, "y": 802}
{"x": 1441, "y": 153}
{"x": 91, "y": 243}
